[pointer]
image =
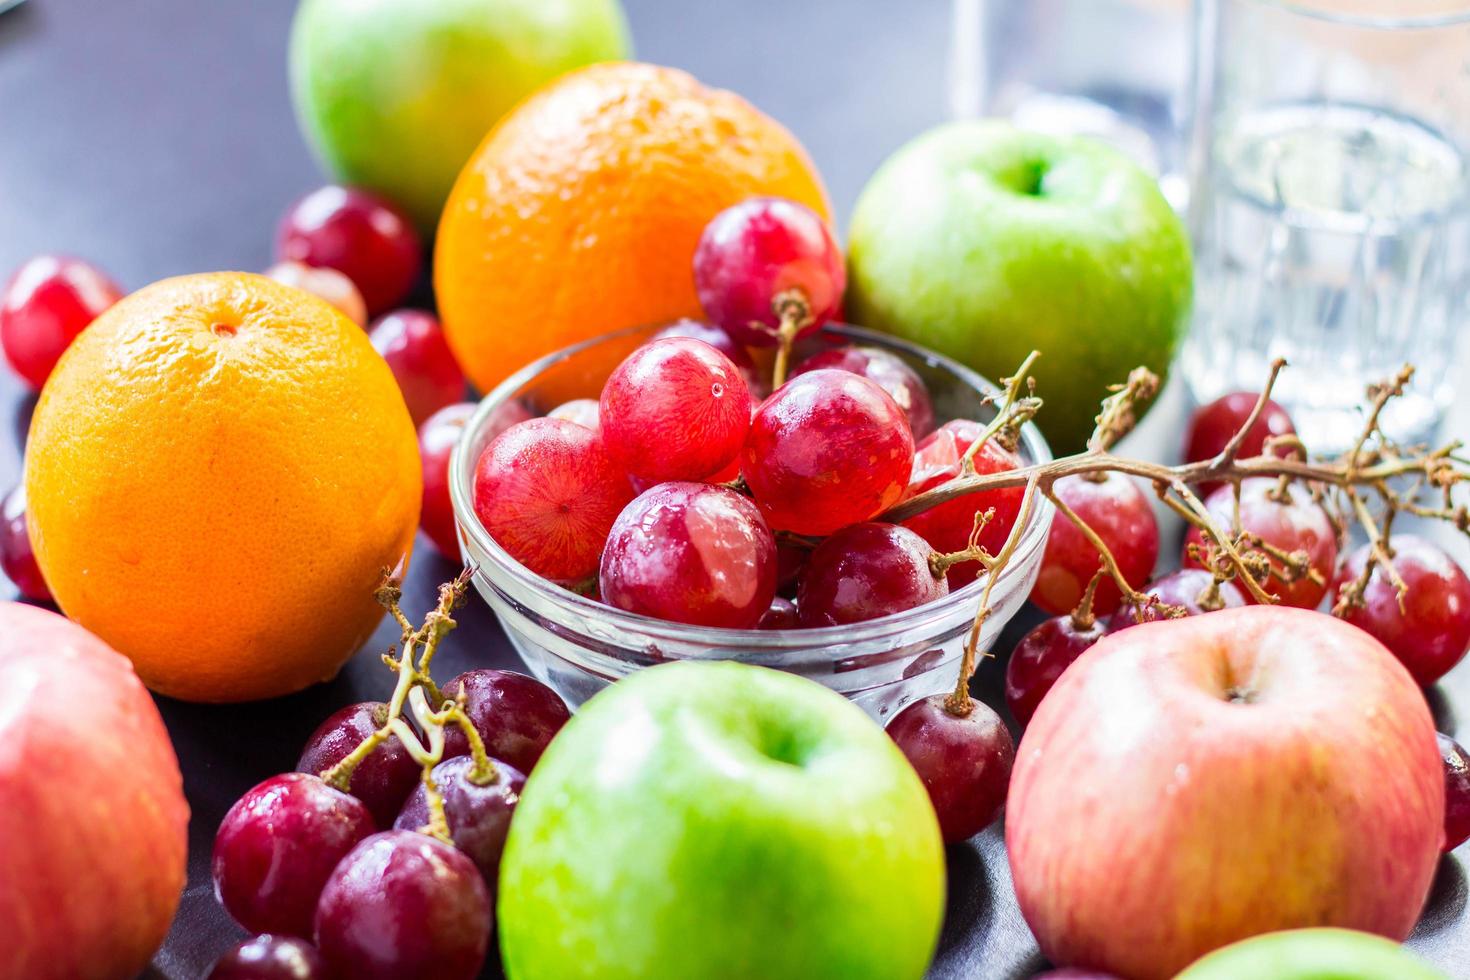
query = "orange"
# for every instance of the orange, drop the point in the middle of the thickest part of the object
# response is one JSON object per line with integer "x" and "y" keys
{"x": 218, "y": 470}
{"x": 580, "y": 211}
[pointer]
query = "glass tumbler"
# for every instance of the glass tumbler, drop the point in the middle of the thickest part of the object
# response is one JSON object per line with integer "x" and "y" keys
{"x": 1329, "y": 205}
{"x": 1115, "y": 70}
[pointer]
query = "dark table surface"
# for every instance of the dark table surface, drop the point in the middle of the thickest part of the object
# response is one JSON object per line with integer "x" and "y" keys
{"x": 155, "y": 137}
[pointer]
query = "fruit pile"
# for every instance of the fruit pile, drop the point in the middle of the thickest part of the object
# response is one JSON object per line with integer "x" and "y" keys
{"x": 222, "y": 466}
{"x": 380, "y": 856}
{"x": 684, "y": 495}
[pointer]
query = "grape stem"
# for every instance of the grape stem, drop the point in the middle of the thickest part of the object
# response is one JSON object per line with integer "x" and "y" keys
{"x": 794, "y": 314}
{"x": 415, "y": 690}
{"x": 1340, "y": 485}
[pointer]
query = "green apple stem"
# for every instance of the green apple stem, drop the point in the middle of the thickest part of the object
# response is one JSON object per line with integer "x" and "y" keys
{"x": 794, "y": 313}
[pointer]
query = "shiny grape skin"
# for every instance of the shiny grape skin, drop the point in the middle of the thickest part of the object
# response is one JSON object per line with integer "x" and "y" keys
{"x": 1432, "y": 632}
{"x": 478, "y": 815}
{"x": 866, "y": 571}
{"x": 674, "y": 409}
{"x": 270, "y": 957}
{"x": 516, "y": 715}
{"x": 548, "y": 492}
{"x": 382, "y": 780}
{"x": 403, "y": 904}
{"x": 413, "y": 344}
{"x": 1041, "y": 656}
{"x": 1456, "y": 792}
{"x": 437, "y": 439}
{"x": 47, "y": 301}
{"x": 691, "y": 553}
{"x": 1119, "y": 512}
{"x": 827, "y": 449}
{"x": 17, "y": 557}
{"x": 276, "y": 847}
{"x": 889, "y": 372}
{"x": 964, "y": 762}
{"x": 752, "y": 252}
{"x": 361, "y": 235}
{"x": 720, "y": 339}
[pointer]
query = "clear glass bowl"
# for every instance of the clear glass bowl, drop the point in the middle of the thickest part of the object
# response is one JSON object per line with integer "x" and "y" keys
{"x": 579, "y": 646}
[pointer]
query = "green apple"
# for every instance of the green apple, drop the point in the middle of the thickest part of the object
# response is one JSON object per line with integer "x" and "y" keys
{"x": 985, "y": 242}
{"x": 394, "y": 95}
{"x": 718, "y": 820}
{"x": 1312, "y": 954}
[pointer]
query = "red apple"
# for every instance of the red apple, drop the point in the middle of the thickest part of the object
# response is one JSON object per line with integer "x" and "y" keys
{"x": 93, "y": 820}
{"x": 1188, "y": 783}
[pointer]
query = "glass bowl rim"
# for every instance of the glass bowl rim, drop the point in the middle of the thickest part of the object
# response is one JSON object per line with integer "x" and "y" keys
{"x": 461, "y": 483}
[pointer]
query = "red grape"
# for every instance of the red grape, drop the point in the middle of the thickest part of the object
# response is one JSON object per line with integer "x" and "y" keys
{"x": 1432, "y": 632}
{"x": 413, "y": 344}
{"x": 675, "y": 409}
{"x": 720, "y": 340}
{"x": 270, "y": 957}
{"x": 1296, "y": 524}
{"x": 757, "y": 250}
{"x": 948, "y": 526}
{"x": 827, "y": 449}
{"x": 1456, "y": 792}
{"x": 1040, "y": 658}
{"x": 382, "y": 780}
{"x": 548, "y": 492}
{"x": 780, "y": 616}
{"x": 47, "y": 302}
{"x": 791, "y": 561}
{"x": 17, "y": 557}
{"x": 478, "y": 814}
{"x": 276, "y": 847}
{"x": 437, "y": 439}
{"x": 964, "y": 762}
{"x": 865, "y": 571}
{"x": 403, "y": 904}
{"x": 691, "y": 553}
{"x": 583, "y": 411}
{"x": 360, "y": 235}
{"x": 1213, "y": 425}
{"x": 889, "y": 372}
{"x": 516, "y": 716}
{"x": 1185, "y": 588}
{"x": 1118, "y": 511}
{"x": 327, "y": 284}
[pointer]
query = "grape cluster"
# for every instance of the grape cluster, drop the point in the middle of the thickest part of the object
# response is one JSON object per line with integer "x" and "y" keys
{"x": 362, "y": 881}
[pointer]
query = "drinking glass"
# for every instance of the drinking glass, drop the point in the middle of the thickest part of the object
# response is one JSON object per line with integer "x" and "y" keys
{"x": 1328, "y": 205}
{"x": 1115, "y": 70}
